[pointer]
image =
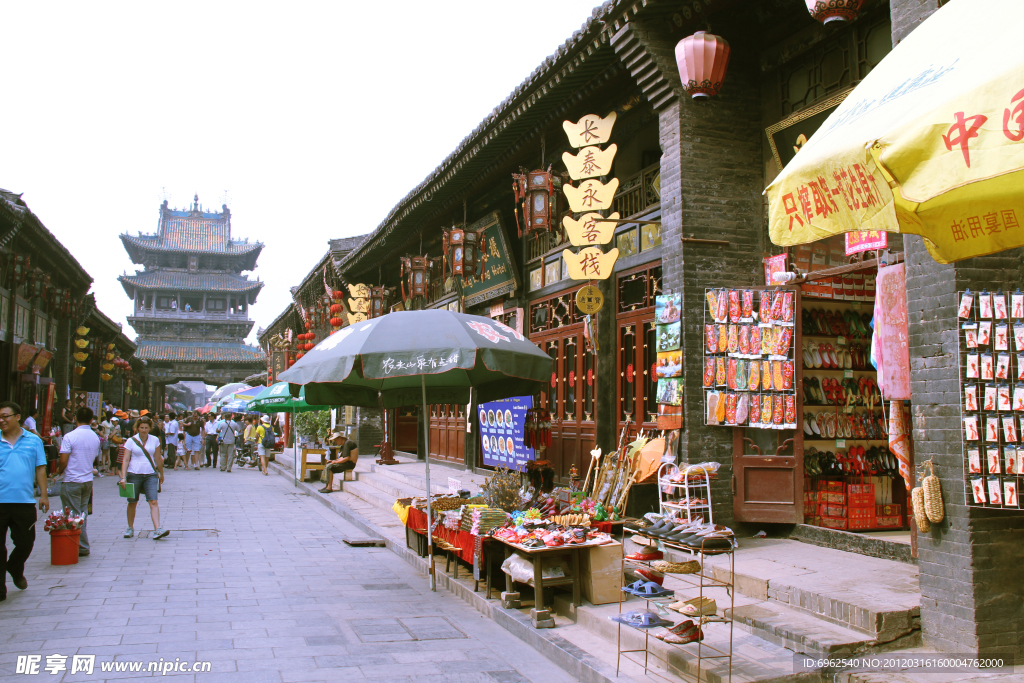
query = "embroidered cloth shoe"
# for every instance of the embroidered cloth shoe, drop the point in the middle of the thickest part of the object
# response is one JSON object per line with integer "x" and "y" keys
{"x": 649, "y": 575}
{"x": 698, "y": 607}
{"x": 646, "y": 554}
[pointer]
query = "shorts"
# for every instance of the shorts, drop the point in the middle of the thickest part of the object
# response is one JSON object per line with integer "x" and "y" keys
{"x": 342, "y": 467}
{"x": 144, "y": 483}
{"x": 261, "y": 450}
{"x": 193, "y": 443}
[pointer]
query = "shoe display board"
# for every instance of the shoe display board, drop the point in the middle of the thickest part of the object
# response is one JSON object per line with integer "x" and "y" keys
{"x": 991, "y": 342}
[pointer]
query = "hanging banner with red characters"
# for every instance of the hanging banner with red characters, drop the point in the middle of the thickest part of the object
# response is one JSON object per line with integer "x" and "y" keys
{"x": 892, "y": 347}
{"x": 866, "y": 240}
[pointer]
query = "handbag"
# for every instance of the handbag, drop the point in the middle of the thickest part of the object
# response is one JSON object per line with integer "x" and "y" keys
{"x": 146, "y": 453}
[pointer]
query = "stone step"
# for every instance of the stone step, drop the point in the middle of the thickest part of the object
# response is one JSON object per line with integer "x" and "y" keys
{"x": 416, "y": 480}
{"x": 394, "y": 487}
{"x": 800, "y": 632}
{"x": 369, "y": 494}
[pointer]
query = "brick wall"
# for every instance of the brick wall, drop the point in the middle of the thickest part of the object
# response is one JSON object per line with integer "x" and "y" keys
{"x": 370, "y": 430}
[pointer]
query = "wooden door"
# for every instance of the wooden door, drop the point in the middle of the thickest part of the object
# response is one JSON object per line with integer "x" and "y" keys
{"x": 448, "y": 432}
{"x": 570, "y": 400}
{"x": 636, "y": 348}
{"x": 407, "y": 435}
{"x": 768, "y": 464}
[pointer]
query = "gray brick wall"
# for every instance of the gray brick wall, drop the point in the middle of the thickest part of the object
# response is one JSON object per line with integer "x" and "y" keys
{"x": 370, "y": 430}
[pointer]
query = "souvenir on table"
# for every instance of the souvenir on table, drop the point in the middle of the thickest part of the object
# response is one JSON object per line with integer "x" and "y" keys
{"x": 970, "y": 338}
{"x": 1003, "y": 366}
{"x": 992, "y": 429}
{"x": 1010, "y": 459}
{"x": 985, "y": 305}
{"x": 748, "y": 305}
{"x": 994, "y": 491}
{"x": 987, "y": 368}
{"x": 985, "y": 333}
{"x": 966, "y": 299}
{"x": 709, "y": 372}
{"x": 990, "y": 397}
{"x": 1010, "y": 493}
{"x": 993, "y": 459}
{"x": 971, "y": 428}
{"x": 978, "y": 487}
{"x": 970, "y": 394}
{"x": 972, "y": 366}
{"x": 974, "y": 460}
{"x": 999, "y": 306}
{"x": 1002, "y": 337}
{"x": 1018, "y": 397}
{"x": 1003, "y": 402}
{"x": 1009, "y": 429}
{"x": 1018, "y": 336}
{"x": 1017, "y": 305}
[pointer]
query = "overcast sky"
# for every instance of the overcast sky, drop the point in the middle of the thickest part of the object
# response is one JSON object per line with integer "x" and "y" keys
{"x": 310, "y": 120}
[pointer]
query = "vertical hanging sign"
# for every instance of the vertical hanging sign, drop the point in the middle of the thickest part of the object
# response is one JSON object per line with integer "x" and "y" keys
{"x": 590, "y": 197}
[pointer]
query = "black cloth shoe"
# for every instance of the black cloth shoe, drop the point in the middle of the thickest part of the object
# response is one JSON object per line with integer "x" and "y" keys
{"x": 21, "y": 583}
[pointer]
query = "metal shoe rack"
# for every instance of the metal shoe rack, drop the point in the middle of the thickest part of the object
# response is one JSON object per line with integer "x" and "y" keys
{"x": 699, "y": 484}
{"x": 700, "y": 580}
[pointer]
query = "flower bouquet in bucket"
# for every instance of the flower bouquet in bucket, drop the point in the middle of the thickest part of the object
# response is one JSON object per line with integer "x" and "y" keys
{"x": 64, "y": 527}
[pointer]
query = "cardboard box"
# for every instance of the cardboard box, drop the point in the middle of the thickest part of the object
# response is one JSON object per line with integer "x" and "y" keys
{"x": 858, "y": 288}
{"x": 861, "y": 495}
{"x": 832, "y": 497}
{"x": 832, "y": 510}
{"x": 829, "y": 485}
{"x": 869, "y": 287}
{"x": 834, "y": 522}
{"x": 601, "y": 573}
{"x": 888, "y": 510}
{"x": 895, "y": 522}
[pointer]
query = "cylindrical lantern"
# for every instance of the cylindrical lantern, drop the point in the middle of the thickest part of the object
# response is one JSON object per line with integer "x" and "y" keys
{"x": 703, "y": 59}
{"x": 828, "y": 11}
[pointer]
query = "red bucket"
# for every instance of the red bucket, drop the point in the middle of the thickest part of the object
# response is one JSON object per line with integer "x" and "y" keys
{"x": 64, "y": 546}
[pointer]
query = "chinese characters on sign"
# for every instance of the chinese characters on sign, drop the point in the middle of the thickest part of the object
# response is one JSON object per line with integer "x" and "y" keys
{"x": 503, "y": 433}
{"x": 866, "y": 240}
{"x": 589, "y": 130}
{"x": 590, "y": 229}
{"x": 419, "y": 363}
{"x": 854, "y": 186}
{"x": 591, "y": 195}
{"x": 591, "y": 162}
{"x": 965, "y": 128}
{"x": 590, "y": 263}
{"x": 970, "y": 227}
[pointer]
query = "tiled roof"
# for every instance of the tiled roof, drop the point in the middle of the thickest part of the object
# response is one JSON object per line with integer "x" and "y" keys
{"x": 188, "y": 282}
{"x": 198, "y": 352}
{"x": 192, "y": 240}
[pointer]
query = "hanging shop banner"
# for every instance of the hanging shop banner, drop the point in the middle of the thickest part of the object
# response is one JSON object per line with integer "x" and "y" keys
{"x": 40, "y": 362}
{"x": 590, "y": 130}
{"x": 591, "y": 195}
{"x": 46, "y": 421}
{"x": 23, "y": 356}
{"x": 591, "y": 162}
{"x": 503, "y": 433}
{"x": 499, "y": 270}
{"x": 866, "y": 240}
{"x": 94, "y": 400}
{"x": 893, "y": 348}
{"x": 590, "y": 229}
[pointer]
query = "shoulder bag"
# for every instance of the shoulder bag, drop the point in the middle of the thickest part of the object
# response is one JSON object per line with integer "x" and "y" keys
{"x": 146, "y": 453}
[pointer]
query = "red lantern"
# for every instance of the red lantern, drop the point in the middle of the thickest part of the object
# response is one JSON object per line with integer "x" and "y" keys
{"x": 702, "y": 59}
{"x": 336, "y": 309}
{"x": 536, "y": 197}
{"x": 834, "y": 10}
{"x": 299, "y": 355}
{"x": 308, "y": 324}
{"x": 337, "y": 322}
{"x": 337, "y": 295}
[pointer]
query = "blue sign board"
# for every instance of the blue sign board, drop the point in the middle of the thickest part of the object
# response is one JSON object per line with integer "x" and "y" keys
{"x": 503, "y": 432}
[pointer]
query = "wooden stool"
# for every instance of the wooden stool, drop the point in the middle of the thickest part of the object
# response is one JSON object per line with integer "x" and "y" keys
{"x": 305, "y": 465}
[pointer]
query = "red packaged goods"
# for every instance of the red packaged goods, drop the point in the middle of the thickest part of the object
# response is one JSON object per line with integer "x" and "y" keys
{"x": 731, "y": 375}
{"x": 766, "y": 375}
{"x": 709, "y": 372}
{"x": 777, "y": 305}
{"x": 790, "y": 409}
{"x": 712, "y": 299}
{"x": 744, "y": 341}
{"x": 755, "y": 376}
{"x": 787, "y": 375}
{"x": 711, "y": 338}
{"x": 734, "y": 339}
{"x": 720, "y": 371}
{"x": 787, "y": 307}
{"x": 734, "y": 306}
{"x": 755, "y": 340}
{"x": 778, "y": 409}
{"x": 834, "y": 522}
{"x": 748, "y": 304}
{"x": 755, "y": 407}
{"x": 766, "y": 409}
{"x": 723, "y": 338}
{"x": 730, "y": 408}
{"x": 765, "y": 306}
{"x": 723, "y": 306}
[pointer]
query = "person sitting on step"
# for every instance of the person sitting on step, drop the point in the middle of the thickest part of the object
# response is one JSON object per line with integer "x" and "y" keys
{"x": 340, "y": 444}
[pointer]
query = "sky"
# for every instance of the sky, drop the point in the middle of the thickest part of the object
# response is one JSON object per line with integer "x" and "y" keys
{"x": 310, "y": 120}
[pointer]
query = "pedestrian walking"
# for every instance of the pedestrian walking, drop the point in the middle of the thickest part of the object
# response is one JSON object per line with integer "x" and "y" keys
{"x": 79, "y": 448}
{"x": 22, "y": 464}
{"x": 143, "y": 467}
{"x": 249, "y": 437}
{"x": 114, "y": 440}
{"x": 227, "y": 432}
{"x": 210, "y": 429}
{"x": 265, "y": 439}
{"x": 171, "y": 431}
{"x": 67, "y": 418}
{"x": 30, "y": 421}
{"x": 193, "y": 441}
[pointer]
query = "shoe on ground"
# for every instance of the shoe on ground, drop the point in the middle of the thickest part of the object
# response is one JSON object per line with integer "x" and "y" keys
{"x": 325, "y": 490}
{"x": 699, "y": 607}
{"x": 160, "y": 533}
{"x": 129, "y": 532}
{"x": 83, "y": 553}
{"x": 21, "y": 583}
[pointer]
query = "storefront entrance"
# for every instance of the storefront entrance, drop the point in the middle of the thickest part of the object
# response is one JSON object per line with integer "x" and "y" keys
{"x": 447, "y": 432}
{"x": 637, "y": 351}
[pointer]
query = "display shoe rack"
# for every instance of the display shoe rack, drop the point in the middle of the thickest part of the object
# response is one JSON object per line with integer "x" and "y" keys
{"x": 684, "y": 494}
{"x": 701, "y": 580}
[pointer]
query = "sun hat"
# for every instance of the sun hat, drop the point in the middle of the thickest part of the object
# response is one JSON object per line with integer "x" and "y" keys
{"x": 336, "y": 435}
{"x": 640, "y": 619}
{"x": 135, "y": 413}
{"x": 143, "y": 412}
{"x": 113, "y": 419}
{"x": 265, "y": 419}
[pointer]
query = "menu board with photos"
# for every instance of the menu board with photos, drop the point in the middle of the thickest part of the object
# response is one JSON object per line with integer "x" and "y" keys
{"x": 669, "y": 365}
{"x": 749, "y": 369}
{"x": 992, "y": 396}
{"x": 503, "y": 433}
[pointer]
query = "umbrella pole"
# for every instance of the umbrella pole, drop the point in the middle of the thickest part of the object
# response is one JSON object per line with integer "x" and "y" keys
{"x": 426, "y": 460}
{"x": 295, "y": 453}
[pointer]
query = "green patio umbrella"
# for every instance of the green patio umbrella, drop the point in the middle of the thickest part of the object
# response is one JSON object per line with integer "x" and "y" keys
{"x": 277, "y": 399}
{"x": 410, "y": 357}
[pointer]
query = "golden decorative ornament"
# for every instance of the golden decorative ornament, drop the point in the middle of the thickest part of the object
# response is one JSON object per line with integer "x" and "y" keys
{"x": 110, "y": 347}
{"x": 79, "y": 370}
{"x": 109, "y": 356}
{"x": 80, "y": 355}
{"x": 81, "y": 343}
{"x": 105, "y": 377}
{"x": 108, "y": 366}
{"x": 82, "y": 331}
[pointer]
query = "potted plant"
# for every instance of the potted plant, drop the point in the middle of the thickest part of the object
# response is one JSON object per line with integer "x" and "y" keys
{"x": 65, "y": 528}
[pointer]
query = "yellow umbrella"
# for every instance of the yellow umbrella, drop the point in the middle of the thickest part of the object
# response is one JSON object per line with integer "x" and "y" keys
{"x": 930, "y": 143}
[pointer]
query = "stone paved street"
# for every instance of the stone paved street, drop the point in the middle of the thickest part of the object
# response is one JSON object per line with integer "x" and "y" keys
{"x": 255, "y": 580}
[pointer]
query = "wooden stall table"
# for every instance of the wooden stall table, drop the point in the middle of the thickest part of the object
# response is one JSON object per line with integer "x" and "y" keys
{"x": 307, "y": 465}
{"x": 535, "y": 555}
{"x": 459, "y": 544}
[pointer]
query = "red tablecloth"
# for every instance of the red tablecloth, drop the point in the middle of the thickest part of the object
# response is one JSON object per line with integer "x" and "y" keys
{"x": 463, "y": 540}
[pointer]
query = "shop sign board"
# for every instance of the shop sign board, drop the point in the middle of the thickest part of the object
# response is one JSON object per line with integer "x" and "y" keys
{"x": 590, "y": 229}
{"x": 590, "y": 130}
{"x": 591, "y": 195}
{"x": 589, "y": 300}
{"x": 23, "y": 357}
{"x": 590, "y": 263}
{"x": 591, "y": 162}
{"x": 503, "y": 433}
{"x": 893, "y": 349}
{"x": 40, "y": 362}
{"x": 866, "y": 240}
{"x": 499, "y": 269}
{"x": 94, "y": 400}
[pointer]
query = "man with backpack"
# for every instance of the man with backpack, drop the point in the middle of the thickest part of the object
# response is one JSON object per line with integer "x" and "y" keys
{"x": 266, "y": 440}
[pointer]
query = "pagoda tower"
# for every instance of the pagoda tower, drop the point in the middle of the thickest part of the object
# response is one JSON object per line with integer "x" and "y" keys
{"x": 192, "y": 302}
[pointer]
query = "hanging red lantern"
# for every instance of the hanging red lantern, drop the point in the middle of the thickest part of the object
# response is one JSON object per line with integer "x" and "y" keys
{"x": 299, "y": 355}
{"x": 337, "y": 322}
{"x": 703, "y": 59}
{"x": 337, "y": 295}
{"x": 336, "y": 308}
{"x": 535, "y": 195}
{"x": 308, "y": 324}
{"x": 464, "y": 251}
{"x": 834, "y": 10}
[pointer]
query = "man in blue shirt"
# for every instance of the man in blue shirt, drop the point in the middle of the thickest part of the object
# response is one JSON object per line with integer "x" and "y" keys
{"x": 21, "y": 458}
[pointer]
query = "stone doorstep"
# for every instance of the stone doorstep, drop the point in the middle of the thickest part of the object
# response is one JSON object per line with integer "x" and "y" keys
{"x": 414, "y": 477}
{"x": 389, "y": 487}
{"x": 883, "y": 619}
{"x": 370, "y": 495}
